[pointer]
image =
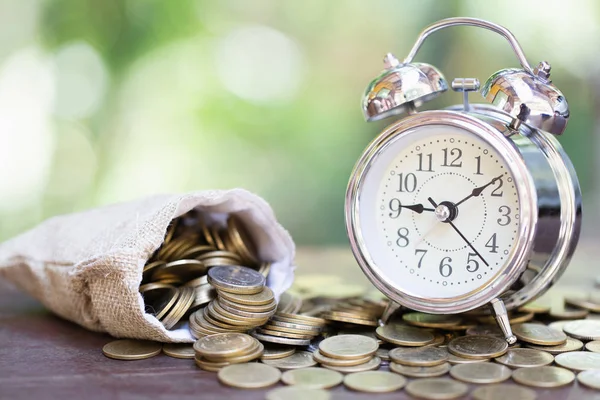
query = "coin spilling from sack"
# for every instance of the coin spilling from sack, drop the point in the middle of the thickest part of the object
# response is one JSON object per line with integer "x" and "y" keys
{"x": 240, "y": 323}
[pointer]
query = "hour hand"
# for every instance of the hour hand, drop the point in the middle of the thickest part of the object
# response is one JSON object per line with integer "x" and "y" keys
{"x": 418, "y": 208}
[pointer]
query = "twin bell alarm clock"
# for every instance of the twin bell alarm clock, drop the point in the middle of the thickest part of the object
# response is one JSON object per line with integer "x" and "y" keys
{"x": 475, "y": 206}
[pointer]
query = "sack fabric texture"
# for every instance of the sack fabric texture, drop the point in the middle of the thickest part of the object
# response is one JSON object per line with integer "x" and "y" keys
{"x": 87, "y": 267}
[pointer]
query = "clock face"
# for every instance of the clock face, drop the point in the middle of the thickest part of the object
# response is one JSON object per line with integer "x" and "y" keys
{"x": 439, "y": 212}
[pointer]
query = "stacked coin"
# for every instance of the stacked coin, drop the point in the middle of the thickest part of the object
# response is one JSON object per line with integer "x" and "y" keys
{"x": 220, "y": 350}
{"x": 290, "y": 329}
{"x": 348, "y": 353}
{"x": 355, "y": 311}
{"x": 243, "y": 302}
{"x": 175, "y": 281}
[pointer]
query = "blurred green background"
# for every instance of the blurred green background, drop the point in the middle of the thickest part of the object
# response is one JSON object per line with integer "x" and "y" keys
{"x": 108, "y": 100}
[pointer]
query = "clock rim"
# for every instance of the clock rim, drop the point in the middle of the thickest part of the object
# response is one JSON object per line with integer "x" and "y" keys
{"x": 527, "y": 196}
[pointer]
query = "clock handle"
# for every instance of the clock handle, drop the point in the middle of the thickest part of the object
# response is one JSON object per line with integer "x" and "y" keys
{"x": 448, "y": 22}
{"x": 501, "y": 316}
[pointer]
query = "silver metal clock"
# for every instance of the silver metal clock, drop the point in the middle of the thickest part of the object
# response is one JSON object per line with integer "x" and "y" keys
{"x": 476, "y": 205}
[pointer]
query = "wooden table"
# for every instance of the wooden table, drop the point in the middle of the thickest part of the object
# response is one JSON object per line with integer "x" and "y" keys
{"x": 44, "y": 357}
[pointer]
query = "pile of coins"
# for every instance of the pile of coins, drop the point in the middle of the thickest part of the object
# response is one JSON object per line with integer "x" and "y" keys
{"x": 175, "y": 281}
{"x": 217, "y": 351}
{"x": 242, "y": 303}
{"x": 323, "y": 342}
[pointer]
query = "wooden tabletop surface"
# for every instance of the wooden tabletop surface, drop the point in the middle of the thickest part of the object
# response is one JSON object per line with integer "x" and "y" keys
{"x": 45, "y": 357}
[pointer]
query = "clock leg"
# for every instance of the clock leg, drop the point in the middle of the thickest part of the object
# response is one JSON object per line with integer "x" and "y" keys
{"x": 501, "y": 316}
{"x": 391, "y": 308}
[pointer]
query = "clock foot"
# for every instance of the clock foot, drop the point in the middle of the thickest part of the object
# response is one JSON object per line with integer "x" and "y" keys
{"x": 501, "y": 316}
{"x": 391, "y": 308}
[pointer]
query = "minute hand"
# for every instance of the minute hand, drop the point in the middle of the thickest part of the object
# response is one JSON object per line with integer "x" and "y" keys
{"x": 477, "y": 191}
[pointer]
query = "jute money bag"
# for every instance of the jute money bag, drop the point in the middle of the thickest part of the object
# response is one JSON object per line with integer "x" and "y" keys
{"x": 87, "y": 267}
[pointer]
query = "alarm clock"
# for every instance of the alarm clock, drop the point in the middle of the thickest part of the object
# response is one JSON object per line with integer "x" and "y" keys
{"x": 474, "y": 207}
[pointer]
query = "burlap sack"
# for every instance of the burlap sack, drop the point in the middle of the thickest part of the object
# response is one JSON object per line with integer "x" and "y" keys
{"x": 87, "y": 267}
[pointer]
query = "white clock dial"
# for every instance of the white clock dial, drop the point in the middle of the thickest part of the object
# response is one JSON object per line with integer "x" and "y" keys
{"x": 444, "y": 212}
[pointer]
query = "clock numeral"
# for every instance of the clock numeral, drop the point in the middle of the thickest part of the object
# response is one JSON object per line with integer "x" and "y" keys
{"x": 472, "y": 263}
{"x": 478, "y": 158}
{"x": 423, "y": 252}
{"x": 491, "y": 244}
{"x": 455, "y": 152}
{"x": 395, "y": 208}
{"x": 497, "y": 192}
{"x": 429, "y": 162}
{"x": 445, "y": 268}
{"x": 504, "y": 214}
{"x": 407, "y": 183}
{"x": 402, "y": 240}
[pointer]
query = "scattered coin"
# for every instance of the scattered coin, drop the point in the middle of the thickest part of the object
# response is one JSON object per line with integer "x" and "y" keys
{"x": 420, "y": 357}
{"x": 297, "y": 393}
{"x": 403, "y": 335}
{"x": 431, "y": 320}
{"x": 420, "y": 372}
{"x": 539, "y": 334}
{"x": 348, "y": 346}
{"x": 273, "y": 352}
{"x": 523, "y": 358}
{"x": 374, "y": 381}
{"x": 590, "y": 378}
{"x": 436, "y": 389}
{"x": 280, "y": 340}
{"x": 578, "y": 360}
{"x": 543, "y": 377}
{"x": 127, "y": 349}
{"x": 570, "y": 345}
{"x": 339, "y": 362}
{"x": 224, "y": 345}
{"x": 300, "y": 359}
{"x": 249, "y": 375}
{"x": 314, "y": 378}
{"x": 477, "y": 346}
{"x": 583, "y": 329}
{"x": 486, "y": 330}
{"x": 179, "y": 350}
{"x": 454, "y": 359}
{"x": 593, "y": 346}
{"x": 370, "y": 365}
{"x": 485, "y": 372}
{"x": 503, "y": 392}
{"x": 568, "y": 313}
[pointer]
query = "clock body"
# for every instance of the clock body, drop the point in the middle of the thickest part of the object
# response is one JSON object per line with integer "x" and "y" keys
{"x": 448, "y": 210}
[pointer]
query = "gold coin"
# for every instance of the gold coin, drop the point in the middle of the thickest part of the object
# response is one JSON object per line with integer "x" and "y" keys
{"x": 420, "y": 372}
{"x": 312, "y": 377}
{"x": 543, "y": 377}
{"x": 570, "y": 345}
{"x": 384, "y": 354}
{"x": 127, "y": 349}
{"x": 420, "y": 357}
{"x": 149, "y": 270}
{"x": 590, "y": 378}
{"x": 593, "y": 346}
{"x": 522, "y": 358}
{"x": 431, "y": 320}
{"x": 538, "y": 334}
{"x": 298, "y": 318}
{"x": 578, "y": 360}
{"x": 255, "y": 353}
{"x": 249, "y": 376}
{"x": 587, "y": 304}
{"x": 273, "y": 352}
{"x": 179, "y": 350}
{"x": 148, "y": 287}
{"x": 242, "y": 319}
{"x": 337, "y": 362}
{"x": 519, "y": 318}
{"x": 339, "y": 317}
{"x": 558, "y": 325}
{"x": 184, "y": 302}
{"x": 254, "y": 314}
{"x": 224, "y": 345}
{"x": 374, "y": 381}
{"x": 266, "y": 296}
{"x": 503, "y": 392}
{"x": 568, "y": 313}
{"x": 486, "y": 330}
{"x": 348, "y": 346}
{"x": 236, "y": 279}
{"x": 205, "y": 319}
{"x": 297, "y": 393}
{"x": 164, "y": 303}
{"x": 372, "y": 364}
{"x": 183, "y": 269}
{"x": 269, "y": 332}
{"x": 583, "y": 329}
{"x": 280, "y": 340}
{"x": 436, "y": 389}
{"x": 454, "y": 359}
{"x": 477, "y": 346}
{"x": 368, "y": 332}
{"x": 300, "y": 359}
{"x": 403, "y": 335}
{"x": 203, "y": 280}
{"x": 293, "y": 328}
{"x": 535, "y": 308}
{"x": 485, "y": 372}
{"x": 213, "y": 366}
